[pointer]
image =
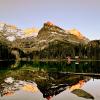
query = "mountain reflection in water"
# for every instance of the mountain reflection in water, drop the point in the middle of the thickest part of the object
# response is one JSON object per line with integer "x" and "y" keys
{"x": 10, "y": 86}
{"x": 46, "y": 80}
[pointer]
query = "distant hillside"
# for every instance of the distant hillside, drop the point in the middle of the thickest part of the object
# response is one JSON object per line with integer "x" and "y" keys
{"x": 93, "y": 49}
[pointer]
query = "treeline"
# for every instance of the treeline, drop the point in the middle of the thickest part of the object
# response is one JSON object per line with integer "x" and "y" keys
{"x": 55, "y": 50}
{"x": 93, "y": 49}
{"x": 62, "y": 50}
{"x": 5, "y": 52}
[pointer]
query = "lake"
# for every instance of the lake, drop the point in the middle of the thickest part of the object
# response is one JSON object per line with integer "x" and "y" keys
{"x": 50, "y": 80}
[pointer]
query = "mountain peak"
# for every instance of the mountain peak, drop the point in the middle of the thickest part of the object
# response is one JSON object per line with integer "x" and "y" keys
{"x": 49, "y": 26}
{"x": 8, "y": 25}
{"x": 49, "y": 23}
{"x": 31, "y": 32}
{"x": 76, "y": 32}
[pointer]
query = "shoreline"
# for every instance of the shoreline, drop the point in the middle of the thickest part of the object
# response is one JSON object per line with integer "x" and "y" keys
{"x": 58, "y": 60}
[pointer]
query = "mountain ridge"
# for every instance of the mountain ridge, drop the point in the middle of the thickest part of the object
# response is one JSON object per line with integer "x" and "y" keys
{"x": 51, "y": 42}
{"x": 48, "y": 34}
{"x": 28, "y": 32}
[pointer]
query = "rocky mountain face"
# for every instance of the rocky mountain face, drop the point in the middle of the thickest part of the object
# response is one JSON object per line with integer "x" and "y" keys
{"x": 11, "y": 32}
{"x": 48, "y": 34}
{"x": 50, "y": 42}
{"x": 53, "y": 41}
{"x": 52, "y": 32}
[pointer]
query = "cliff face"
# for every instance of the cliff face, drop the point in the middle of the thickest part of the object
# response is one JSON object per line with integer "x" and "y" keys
{"x": 54, "y": 42}
{"x": 52, "y": 32}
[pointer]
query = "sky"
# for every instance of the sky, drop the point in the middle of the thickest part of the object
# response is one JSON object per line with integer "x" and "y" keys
{"x": 83, "y": 15}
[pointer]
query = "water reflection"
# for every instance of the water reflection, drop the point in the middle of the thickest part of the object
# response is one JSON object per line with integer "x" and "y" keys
{"x": 47, "y": 81}
{"x": 63, "y": 66}
{"x": 50, "y": 89}
{"x": 10, "y": 86}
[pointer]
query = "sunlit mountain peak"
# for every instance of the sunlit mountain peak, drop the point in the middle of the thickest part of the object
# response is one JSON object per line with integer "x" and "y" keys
{"x": 49, "y": 23}
{"x": 76, "y": 32}
{"x": 31, "y": 31}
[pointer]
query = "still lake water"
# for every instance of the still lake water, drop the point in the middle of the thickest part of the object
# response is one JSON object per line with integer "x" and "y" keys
{"x": 49, "y": 81}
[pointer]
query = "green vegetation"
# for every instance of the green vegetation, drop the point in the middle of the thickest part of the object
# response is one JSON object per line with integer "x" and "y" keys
{"x": 5, "y": 51}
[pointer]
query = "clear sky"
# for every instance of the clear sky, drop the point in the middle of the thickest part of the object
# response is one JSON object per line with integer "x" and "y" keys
{"x": 83, "y": 15}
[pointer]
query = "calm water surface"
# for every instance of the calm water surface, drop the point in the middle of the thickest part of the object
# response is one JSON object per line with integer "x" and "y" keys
{"x": 49, "y": 81}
